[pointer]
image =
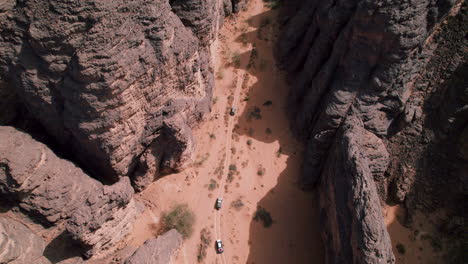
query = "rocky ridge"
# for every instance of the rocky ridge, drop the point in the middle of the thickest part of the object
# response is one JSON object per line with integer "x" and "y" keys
{"x": 349, "y": 207}
{"x": 357, "y": 94}
{"x": 52, "y": 190}
{"x": 107, "y": 80}
{"x": 19, "y": 245}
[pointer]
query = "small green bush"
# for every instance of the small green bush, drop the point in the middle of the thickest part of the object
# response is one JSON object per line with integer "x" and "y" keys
{"x": 401, "y": 248}
{"x": 237, "y": 204}
{"x": 233, "y": 167}
{"x": 180, "y": 218}
{"x": 263, "y": 215}
{"x": 205, "y": 241}
{"x": 213, "y": 185}
{"x": 261, "y": 171}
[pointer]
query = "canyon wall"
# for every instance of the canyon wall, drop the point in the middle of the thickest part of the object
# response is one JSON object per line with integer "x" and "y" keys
{"x": 20, "y": 245}
{"x": 117, "y": 85}
{"x": 349, "y": 206}
{"x": 379, "y": 98}
{"x": 114, "y": 86}
{"x": 54, "y": 191}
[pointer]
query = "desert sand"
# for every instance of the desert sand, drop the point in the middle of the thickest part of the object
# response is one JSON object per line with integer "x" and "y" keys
{"x": 256, "y": 139}
{"x": 418, "y": 242}
{"x": 259, "y": 152}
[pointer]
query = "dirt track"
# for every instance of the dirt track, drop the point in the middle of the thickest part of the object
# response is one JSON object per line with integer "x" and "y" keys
{"x": 255, "y": 141}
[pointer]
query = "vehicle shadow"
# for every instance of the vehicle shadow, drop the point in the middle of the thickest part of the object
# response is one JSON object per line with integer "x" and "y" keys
{"x": 294, "y": 236}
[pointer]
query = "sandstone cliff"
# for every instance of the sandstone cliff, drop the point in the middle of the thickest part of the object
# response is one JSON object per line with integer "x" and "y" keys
{"x": 19, "y": 245}
{"x": 108, "y": 79}
{"x": 369, "y": 76}
{"x": 52, "y": 190}
{"x": 350, "y": 208}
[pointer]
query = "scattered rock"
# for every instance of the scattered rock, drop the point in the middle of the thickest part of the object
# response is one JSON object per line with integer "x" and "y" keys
{"x": 160, "y": 250}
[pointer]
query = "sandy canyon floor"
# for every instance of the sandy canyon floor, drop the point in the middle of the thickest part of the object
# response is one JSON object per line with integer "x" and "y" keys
{"x": 255, "y": 148}
{"x": 251, "y": 160}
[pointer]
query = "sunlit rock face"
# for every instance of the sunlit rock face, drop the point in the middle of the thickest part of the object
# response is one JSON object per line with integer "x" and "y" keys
{"x": 54, "y": 191}
{"x": 378, "y": 97}
{"x": 117, "y": 84}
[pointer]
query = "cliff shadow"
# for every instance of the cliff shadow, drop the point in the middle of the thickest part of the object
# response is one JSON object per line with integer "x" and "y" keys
{"x": 62, "y": 248}
{"x": 294, "y": 233}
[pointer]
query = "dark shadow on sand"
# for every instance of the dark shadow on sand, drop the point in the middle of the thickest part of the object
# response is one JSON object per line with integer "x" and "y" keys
{"x": 270, "y": 245}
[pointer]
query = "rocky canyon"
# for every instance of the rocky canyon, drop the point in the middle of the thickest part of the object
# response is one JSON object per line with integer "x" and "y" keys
{"x": 333, "y": 131}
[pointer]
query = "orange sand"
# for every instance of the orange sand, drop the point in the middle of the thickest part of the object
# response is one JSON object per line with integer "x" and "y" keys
{"x": 294, "y": 236}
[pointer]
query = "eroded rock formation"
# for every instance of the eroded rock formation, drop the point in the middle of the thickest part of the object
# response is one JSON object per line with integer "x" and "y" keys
{"x": 105, "y": 77}
{"x": 53, "y": 190}
{"x": 19, "y": 245}
{"x": 357, "y": 53}
{"x": 350, "y": 210}
{"x": 368, "y": 96}
{"x": 162, "y": 249}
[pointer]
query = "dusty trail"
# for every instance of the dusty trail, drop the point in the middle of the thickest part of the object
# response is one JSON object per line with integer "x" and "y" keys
{"x": 250, "y": 160}
{"x": 227, "y": 160}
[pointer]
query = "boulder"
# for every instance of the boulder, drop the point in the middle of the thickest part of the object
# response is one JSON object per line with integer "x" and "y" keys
{"x": 19, "y": 245}
{"x": 53, "y": 190}
{"x": 160, "y": 250}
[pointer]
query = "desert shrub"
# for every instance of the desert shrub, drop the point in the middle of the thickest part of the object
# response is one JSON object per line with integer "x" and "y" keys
{"x": 268, "y": 130}
{"x": 401, "y": 248}
{"x": 273, "y": 4}
{"x": 263, "y": 215}
{"x": 201, "y": 160}
{"x": 243, "y": 39}
{"x": 249, "y": 142}
{"x": 279, "y": 152}
{"x": 255, "y": 113}
{"x": 236, "y": 59}
{"x": 230, "y": 176}
{"x": 213, "y": 184}
{"x": 237, "y": 204}
{"x": 261, "y": 171}
{"x": 205, "y": 241}
{"x": 180, "y": 218}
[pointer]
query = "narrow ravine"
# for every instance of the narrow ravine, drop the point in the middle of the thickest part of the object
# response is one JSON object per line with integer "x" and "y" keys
{"x": 250, "y": 159}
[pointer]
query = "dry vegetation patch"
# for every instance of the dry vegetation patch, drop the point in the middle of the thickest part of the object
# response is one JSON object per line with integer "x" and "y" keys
{"x": 180, "y": 218}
